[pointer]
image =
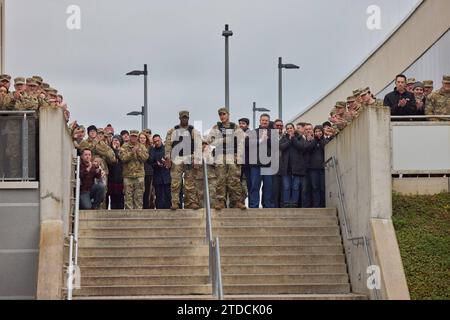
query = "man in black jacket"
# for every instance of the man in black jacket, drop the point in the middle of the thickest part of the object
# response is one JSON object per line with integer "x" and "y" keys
{"x": 401, "y": 102}
{"x": 161, "y": 174}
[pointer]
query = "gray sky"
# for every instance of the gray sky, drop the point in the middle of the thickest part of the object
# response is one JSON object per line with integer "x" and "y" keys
{"x": 181, "y": 42}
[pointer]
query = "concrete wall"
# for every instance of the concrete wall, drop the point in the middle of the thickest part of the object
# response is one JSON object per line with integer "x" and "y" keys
{"x": 362, "y": 151}
{"x": 56, "y": 149}
{"x": 19, "y": 239}
{"x": 421, "y": 186}
{"x": 419, "y": 32}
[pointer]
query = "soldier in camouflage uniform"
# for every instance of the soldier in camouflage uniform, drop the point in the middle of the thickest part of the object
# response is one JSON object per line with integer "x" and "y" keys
{"x": 228, "y": 138}
{"x": 183, "y": 154}
{"x": 438, "y": 103}
{"x": 368, "y": 100}
{"x": 133, "y": 155}
{"x": 338, "y": 116}
{"x": 428, "y": 87}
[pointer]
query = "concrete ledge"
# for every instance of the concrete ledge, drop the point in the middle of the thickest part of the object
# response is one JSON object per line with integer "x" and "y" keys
{"x": 50, "y": 267}
{"x": 19, "y": 185}
{"x": 387, "y": 253}
{"x": 421, "y": 186}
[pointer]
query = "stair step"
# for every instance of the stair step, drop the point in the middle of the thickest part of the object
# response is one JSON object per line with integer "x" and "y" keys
{"x": 144, "y": 251}
{"x": 308, "y": 249}
{"x": 291, "y": 297}
{"x": 198, "y": 222}
{"x": 282, "y": 259}
{"x": 92, "y": 261}
{"x": 266, "y": 240}
{"x": 139, "y": 280}
{"x": 304, "y": 279}
{"x": 204, "y": 269}
{"x": 283, "y": 269}
{"x": 271, "y": 289}
{"x": 349, "y": 296}
{"x": 219, "y": 231}
{"x": 144, "y": 270}
{"x": 175, "y": 290}
{"x": 255, "y": 213}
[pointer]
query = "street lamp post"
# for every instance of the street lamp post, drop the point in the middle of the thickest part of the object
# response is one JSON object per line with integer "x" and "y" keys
{"x": 141, "y": 113}
{"x": 255, "y": 109}
{"x": 227, "y": 33}
{"x": 145, "y": 108}
{"x": 282, "y": 66}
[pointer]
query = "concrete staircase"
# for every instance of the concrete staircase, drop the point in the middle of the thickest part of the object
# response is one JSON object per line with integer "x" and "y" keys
{"x": 266, "y": 254}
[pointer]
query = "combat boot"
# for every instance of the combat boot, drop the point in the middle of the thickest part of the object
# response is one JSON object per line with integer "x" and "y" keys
{"x": 174, "y": 207}
{"x": 219, "y": 205}
{"x": 194, "y": 206}
{"x": 240, "y": 205}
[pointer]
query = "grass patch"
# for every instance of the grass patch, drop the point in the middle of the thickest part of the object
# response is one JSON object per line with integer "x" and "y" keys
{"x": 422, "y": 224}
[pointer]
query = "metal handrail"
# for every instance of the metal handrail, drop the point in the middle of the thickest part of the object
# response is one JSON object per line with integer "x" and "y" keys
{"x": 348, "y": 231}
{"x": 421, "y": 117}
{"x": 215, "y": 268}
{"x": 17, "y": 112}
{"x": 73, "y": 270}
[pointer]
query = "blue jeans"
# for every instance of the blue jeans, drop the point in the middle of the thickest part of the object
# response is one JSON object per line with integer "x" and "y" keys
{"x": 291, "y": 189}
{"x": 256, "y": 179}
{"x": 317, "y": 178}
{"x": 92, "y": 199}
{"x": 306, "y": 191}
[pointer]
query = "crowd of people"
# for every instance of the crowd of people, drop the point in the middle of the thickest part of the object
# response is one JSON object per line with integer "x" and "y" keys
{"x": 283, "y": 163}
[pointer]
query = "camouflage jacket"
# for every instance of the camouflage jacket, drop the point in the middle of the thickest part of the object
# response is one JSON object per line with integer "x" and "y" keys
{"x": 228, "y": 139}
{"x": 100, "y": 149}
{"x": 438, "y": 103}
{"x": 133, "y": 162}
{"x": 174, "y": 135}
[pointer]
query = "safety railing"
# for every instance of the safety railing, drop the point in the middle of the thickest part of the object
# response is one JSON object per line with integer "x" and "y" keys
{"x": 417, "y": 118}
{"x": 356, "y": 241}
{"x": 215, "y": 268}
{"x": 73, "y": 274}
{"x": 18, "y": 136}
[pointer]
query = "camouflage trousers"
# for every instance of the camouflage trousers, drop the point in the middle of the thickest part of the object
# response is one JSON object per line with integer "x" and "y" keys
{"x": 199, "y": 186}
{"x": 228, "y": 182}
{"x": 176, "y": 174}
{"x": 133, "y": 188}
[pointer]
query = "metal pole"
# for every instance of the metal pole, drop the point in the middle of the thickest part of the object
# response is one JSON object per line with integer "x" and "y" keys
{"x": 219, "y": 270}
{"x": 227, "y": 33}
{"x": 77, "y": 209}
{"x": 280, "y": 88}
{"x": 143, "y": 118}
{"x": 254, "y": 115}
{"x": 145, "y": 111}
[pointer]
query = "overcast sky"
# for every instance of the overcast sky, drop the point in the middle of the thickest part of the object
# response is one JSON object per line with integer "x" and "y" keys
{"x": 181, "y": 42}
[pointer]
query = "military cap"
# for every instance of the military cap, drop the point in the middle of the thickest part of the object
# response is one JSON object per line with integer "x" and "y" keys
{"x": 222, "y": 110}
{"x": 411, "y": 81}
{"x": 428, "y": 83}
{"x": 52, "y": 91}
{"x": 204, "y": 141}
{"x": 333, "y": 112}
{"x": 351, "y": 99}
{"x": 38, "y": 79}
{"x": 147, "y": 131}
{"x": 134, "y": 133}
{"x": 341, "y": 104}
{"x": 184, "y": 114}
{"x": 19, "y": 80}
{"x": 357, "y": 92}
{"x": 418, "y": 85}
{"x": 81, "y": 128}
{"x": 100, "y": 131}
{"x": 5, "y": 77}
{"x": 31, "y": 82}
{"x": 246, "y": 120}
{"x": 45, "y": 85}
{"x": 364, "y": 91}
{"x": 446, "y": 79}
